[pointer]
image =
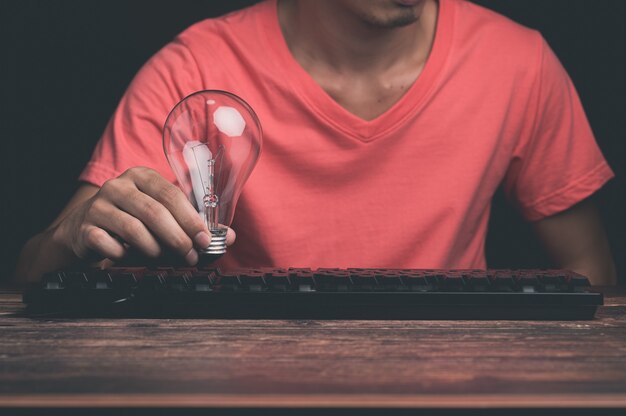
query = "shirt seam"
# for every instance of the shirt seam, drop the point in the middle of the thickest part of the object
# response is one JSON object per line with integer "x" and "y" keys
{"x": 98, "y": 170}
{"x": 544, "y": 200}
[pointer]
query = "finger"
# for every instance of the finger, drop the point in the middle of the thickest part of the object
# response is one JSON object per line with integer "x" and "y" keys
{"x": 175, "y": 201}
{"x": 97, "y": 240}
{"x": 159, "y": 221}
{"x": 107, "y": 264}
{"x": 130, "y": 229}
{"x": 230, "y": 236}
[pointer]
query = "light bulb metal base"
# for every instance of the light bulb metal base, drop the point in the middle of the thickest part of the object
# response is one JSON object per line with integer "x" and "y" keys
{"x": 218, "y": 244}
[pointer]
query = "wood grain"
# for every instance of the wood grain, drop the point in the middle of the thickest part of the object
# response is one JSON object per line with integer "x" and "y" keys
{"x": 375, "y": 401}
{"x": 222, "y": 363}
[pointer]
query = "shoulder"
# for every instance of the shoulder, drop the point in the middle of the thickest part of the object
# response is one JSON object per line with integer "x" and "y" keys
{"x": 233, "y": 30}
{"x": 494, "y": 36}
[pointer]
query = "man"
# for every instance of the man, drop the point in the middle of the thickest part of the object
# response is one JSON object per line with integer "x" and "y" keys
{"x": 388, "y": 126}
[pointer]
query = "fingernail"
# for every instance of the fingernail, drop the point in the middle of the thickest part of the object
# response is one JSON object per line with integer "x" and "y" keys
{"x": 192, "y": 257}
{"x": 202, "y": 239}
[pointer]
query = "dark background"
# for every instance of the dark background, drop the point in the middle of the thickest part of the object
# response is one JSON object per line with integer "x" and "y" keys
{"x": 66, "y": 63}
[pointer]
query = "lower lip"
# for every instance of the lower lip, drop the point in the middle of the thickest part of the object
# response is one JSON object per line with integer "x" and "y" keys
{"x": 408, "y": 3}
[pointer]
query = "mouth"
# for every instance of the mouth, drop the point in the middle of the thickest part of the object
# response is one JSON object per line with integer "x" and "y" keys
{"x": 408, "y": 3}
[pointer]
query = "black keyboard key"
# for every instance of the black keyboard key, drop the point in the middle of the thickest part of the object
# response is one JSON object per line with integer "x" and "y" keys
{"x": 178, "y": 281}
{"x": 338, "y": 281}
{"x": 358, "y": 270}
{"x": 554, "y": 282}
{"x": 278, "y": 281}
{"x": 124, "y": 280}
{"x": 272, "y": 270}
{"x": 297, "y": 271}
{"x": 579, "y": 283}
{"x": 527, "y": 281}
{"x": 389, "y": 281}
{"x": 252, "y": 281}
{"x": 100, "y": 280}
{"x": 152, "y": 282}
{"x": 327, "y": 279}
{"x": 53, "y": 281}
{"x": 227, "y": 281}
{"x": 303, "y": 283}
{"x": 75, "y": 280}
{"x": 202, "y": 281}
{"x": 420, "y": 282}
{"x": 363, "y": 281}
{"x": 450, "y": 282}
{"x": 477, "y": 281}
{"x": 503, "y": 281}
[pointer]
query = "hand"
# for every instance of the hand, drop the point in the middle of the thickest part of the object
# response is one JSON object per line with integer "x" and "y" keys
{"x": 141, "y": 209}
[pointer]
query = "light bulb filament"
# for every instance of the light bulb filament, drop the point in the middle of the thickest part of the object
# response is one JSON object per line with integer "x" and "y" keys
{"x": 211, "y": 200}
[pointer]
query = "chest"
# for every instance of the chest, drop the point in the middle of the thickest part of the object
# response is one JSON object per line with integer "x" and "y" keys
{"x": 367, "y": 96}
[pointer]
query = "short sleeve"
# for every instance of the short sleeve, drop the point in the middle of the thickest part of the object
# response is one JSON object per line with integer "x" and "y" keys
{"x": 559, "y": 164}
{"x": 133, "y": 136}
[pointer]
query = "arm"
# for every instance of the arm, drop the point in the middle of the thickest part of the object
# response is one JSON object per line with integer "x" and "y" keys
{"x": 139, "y": 207}
{"x": 576, "y": 240}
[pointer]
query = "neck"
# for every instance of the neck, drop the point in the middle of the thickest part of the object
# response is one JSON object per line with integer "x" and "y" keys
{"x": 321, "y": 32}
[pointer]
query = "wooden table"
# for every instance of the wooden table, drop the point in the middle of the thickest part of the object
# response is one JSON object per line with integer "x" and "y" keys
{"x": 446, "y": 367}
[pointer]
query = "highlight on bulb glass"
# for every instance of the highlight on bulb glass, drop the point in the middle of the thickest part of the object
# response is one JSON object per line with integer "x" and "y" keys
{"x": 212, "y": 140}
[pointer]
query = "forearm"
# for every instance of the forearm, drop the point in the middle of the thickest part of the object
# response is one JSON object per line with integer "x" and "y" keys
{"x": 598, "y": 266}
{"x": 598, "y": 274}
{"x": 576, "y": 240}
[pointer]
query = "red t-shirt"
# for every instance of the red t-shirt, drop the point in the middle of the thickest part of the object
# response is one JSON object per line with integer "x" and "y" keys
{"x": 411, "y": 188}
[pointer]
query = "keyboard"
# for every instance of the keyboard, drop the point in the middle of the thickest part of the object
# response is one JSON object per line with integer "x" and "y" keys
{"x": 298, "y": 293}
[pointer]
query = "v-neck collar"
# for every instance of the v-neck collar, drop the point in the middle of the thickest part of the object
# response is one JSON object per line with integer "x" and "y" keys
{"x": 330, "y": 110}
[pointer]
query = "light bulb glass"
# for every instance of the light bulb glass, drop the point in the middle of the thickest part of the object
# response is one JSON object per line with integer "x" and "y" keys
{"x": 212, "y": 140}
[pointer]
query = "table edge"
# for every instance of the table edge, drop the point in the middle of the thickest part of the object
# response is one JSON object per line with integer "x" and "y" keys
{"x": 443, "y": 401}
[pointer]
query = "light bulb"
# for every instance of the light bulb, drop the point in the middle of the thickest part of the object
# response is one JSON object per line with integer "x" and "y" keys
{"x": 212, "y": 140}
